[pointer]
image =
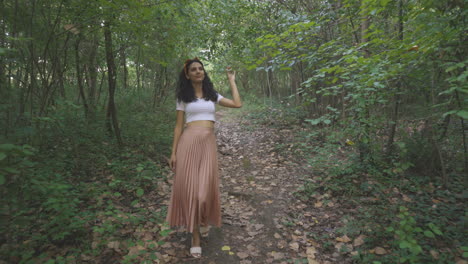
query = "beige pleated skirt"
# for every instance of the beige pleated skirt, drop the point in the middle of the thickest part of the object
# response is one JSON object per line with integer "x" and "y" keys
{"x": 195, "y": 192}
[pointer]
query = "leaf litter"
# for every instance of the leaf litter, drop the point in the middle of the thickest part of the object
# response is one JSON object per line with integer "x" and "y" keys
{"x": 262, "y": 220}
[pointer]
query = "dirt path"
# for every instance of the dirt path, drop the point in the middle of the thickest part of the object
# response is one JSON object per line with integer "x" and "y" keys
{"x": 263, "y": 220}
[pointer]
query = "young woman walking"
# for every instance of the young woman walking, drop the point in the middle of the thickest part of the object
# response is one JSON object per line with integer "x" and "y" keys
{"x": 195, "y": 199}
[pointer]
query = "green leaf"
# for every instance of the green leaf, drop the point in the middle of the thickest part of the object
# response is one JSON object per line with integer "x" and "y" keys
{"x": 2, "y": 156}
{"x": 429, "y": 234}
{"x": 404, "y": 244}
{"x": 313, "y": 121}
{"x": 2, "y": 179}
{"x": 436, "y": 229}
{"x": 140, "y": 192}
{"x": 7, "y": 146}
{"x": 463, "y": 114}
{"x": 11, "y": 170}
{"x": 165, "y": 233}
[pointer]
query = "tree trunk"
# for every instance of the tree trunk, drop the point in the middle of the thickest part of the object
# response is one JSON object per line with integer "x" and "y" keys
{"x": 123, "y": 64}
{"x": 79, "y": 76}
{"x": 396, "y": 108}
{"x": 3, "y": 84}
{"x": 364, "y": 149}
{"x": 463, "y": 134}
{"x": 138, "y": 69}
{"x": 111, "y": 76}
{"x": 93, "y": 75}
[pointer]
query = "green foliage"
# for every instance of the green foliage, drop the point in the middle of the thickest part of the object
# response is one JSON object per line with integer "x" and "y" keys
{"x": 405, "y": 233}
{"x": 376, "y": 190}
{"x": 74, "y": 183}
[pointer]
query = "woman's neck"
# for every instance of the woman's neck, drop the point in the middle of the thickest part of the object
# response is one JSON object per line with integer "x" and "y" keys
{"x": 197, "y": 88}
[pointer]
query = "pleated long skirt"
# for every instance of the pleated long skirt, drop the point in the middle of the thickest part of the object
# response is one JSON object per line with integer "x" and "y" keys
{"x": 195, "y": 192}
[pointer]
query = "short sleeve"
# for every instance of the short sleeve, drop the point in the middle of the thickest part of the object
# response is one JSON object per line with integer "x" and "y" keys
{"x": 180, "y": 105}
{"x": 219, "y": 98}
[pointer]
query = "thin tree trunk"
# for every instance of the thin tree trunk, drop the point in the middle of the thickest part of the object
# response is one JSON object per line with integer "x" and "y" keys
{"x": 364, "y": 149}
{"x": 79, "y": 76}
{"x": 123, "y": 64}
{"x": 463, "y": 133}
{"x": 32, "y": 77}
{"x": 4, "y": 88}
{"x": 111, "y": 75}
{"x": 138, "y": 69}
{"x": 93, "y": 75}
{"x": 396, "y": 108}
{"x": 270, "y": 93}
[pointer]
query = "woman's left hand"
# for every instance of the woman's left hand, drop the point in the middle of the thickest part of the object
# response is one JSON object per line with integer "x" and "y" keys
{"x": 231, "y": 74}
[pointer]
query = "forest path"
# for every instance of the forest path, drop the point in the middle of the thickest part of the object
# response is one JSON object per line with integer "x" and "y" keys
{"x": 262, "y": 219}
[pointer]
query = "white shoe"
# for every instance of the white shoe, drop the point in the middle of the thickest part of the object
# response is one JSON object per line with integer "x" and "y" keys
{"x": 195, "y": 252}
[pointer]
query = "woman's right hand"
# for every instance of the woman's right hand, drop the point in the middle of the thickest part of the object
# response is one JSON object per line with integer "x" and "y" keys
{"x": 172, "y": 162}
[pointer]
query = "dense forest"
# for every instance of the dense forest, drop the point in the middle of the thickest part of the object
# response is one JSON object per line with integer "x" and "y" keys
{"x": 373, "y": 94}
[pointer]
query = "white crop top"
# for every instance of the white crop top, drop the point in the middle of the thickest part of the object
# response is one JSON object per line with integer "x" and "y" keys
{"x": 200, "y": 109}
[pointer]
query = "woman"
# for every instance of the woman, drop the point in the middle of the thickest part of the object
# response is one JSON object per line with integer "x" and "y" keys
{"x": 195, "y": 192}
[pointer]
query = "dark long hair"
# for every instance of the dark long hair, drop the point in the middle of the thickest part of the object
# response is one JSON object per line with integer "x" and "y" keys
{"x": 186, "y": 93}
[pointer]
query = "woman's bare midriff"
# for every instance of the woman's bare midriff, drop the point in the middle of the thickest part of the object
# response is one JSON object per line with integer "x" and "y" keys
{"x": 202, "y": 123}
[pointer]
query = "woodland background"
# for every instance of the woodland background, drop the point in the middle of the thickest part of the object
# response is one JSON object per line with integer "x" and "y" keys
{"x": 87, "y": 110}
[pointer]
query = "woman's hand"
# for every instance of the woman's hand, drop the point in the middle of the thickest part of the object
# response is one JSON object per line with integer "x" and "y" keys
{"x": 231, "y": 74}
{"x": 172, "y": 162}
{"x": 236, "y": 101}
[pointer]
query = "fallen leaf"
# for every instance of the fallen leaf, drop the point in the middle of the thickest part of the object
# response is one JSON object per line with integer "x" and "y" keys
{"x": 277, "y": 255}
{"x": 135, "y": 250}
{"x": 406, "y": 198}
{"x": 226, "y": 248}
{"x": 414, "y": 48}
{"x": 114, "y": 245}
{"x": 294, "y": 246}
{"x": 318, "y": 204}
{"x": 258, "y": 226}
{"x": 344, "y": 239}
{"x": 358, "y": 241}
{"x": 277, "y": 236}
{"x": 242, "y": 255}
{"x": 311, "y": 251}
{"x": 380, "y": 251}
{"x": 282, "y": 243}
{"x": 342, "y": 247}
{"x": 171, "y": 252}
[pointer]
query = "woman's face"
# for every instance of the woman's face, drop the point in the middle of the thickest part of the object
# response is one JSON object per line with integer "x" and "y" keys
{"x": 195, "y": 72}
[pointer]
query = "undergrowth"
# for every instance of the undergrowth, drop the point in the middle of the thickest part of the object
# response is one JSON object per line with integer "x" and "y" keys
{"x": 70, "y": 192}
{"x": 400, "y": 205}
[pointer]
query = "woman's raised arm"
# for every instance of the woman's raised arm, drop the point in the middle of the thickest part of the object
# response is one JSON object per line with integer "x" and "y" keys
{"x": 236, "y": 101}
